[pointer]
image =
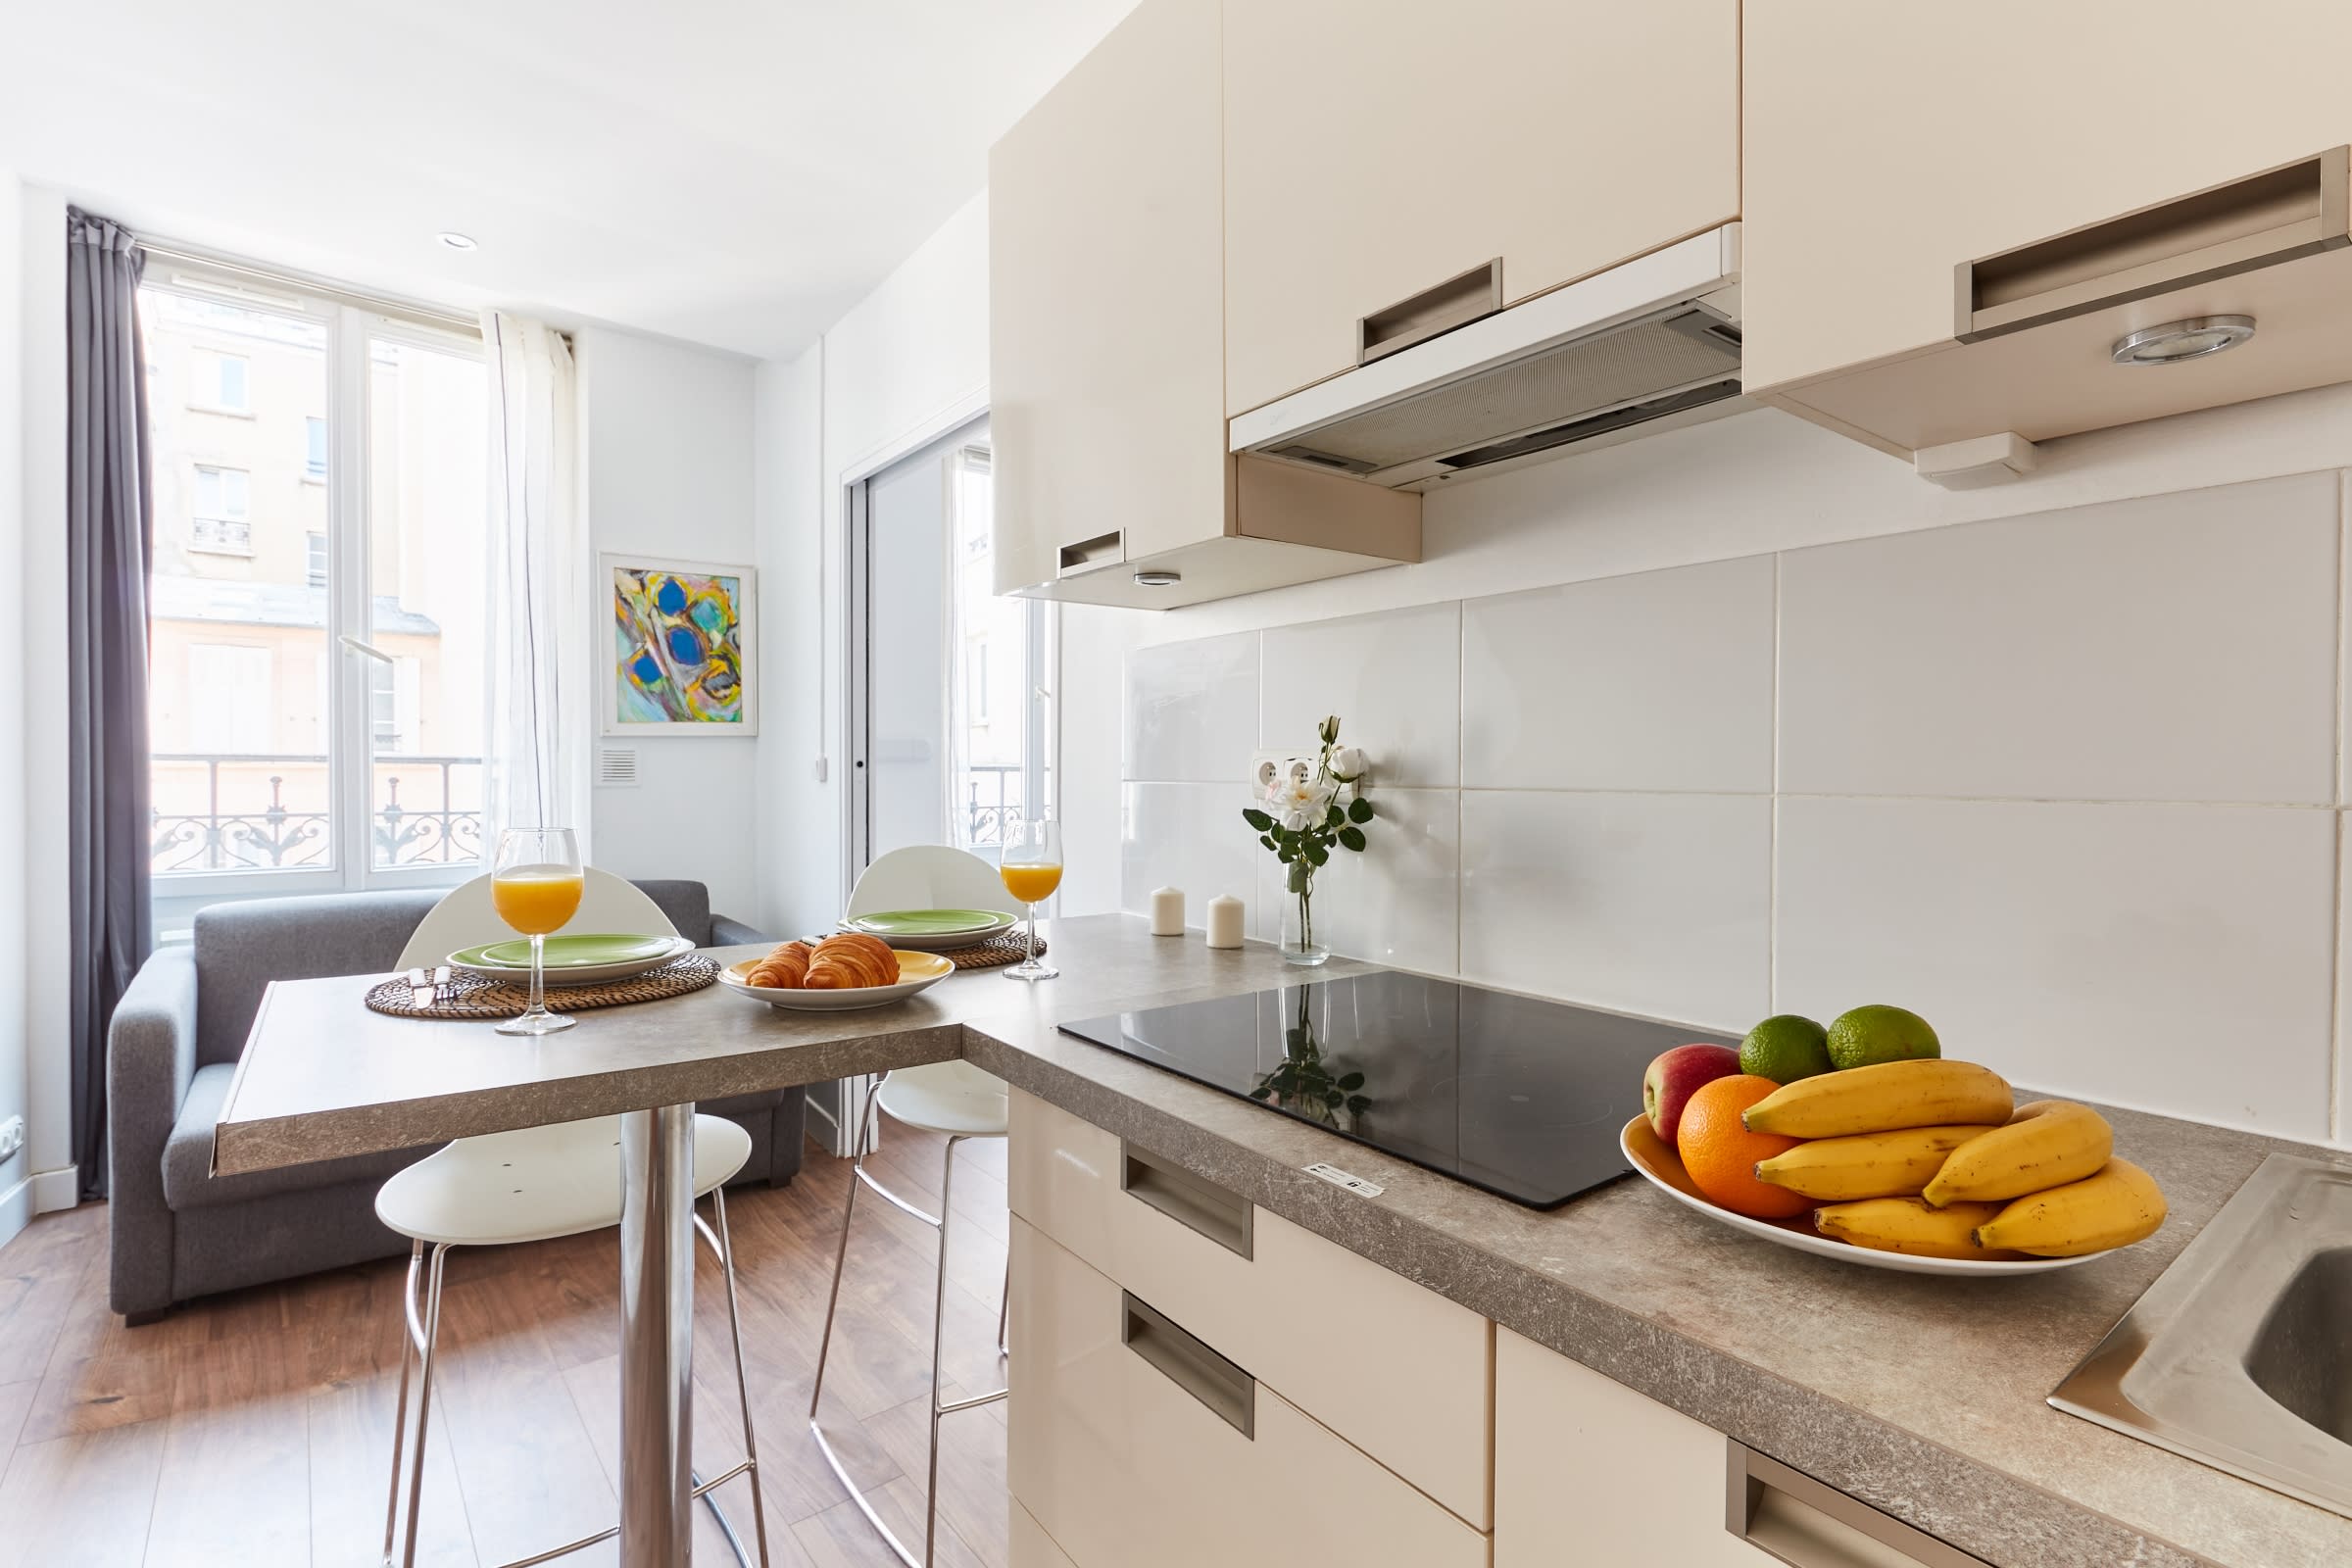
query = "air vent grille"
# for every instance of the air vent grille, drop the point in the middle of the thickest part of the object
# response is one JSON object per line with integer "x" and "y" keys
{"x": 617, "y": 768}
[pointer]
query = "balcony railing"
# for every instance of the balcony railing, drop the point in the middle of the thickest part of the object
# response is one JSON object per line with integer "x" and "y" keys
{"x": 992, "y": 799}
{"x": 231, "y": 836}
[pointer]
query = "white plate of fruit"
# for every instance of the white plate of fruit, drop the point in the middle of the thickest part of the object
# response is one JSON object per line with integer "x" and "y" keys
{"x": 1861, "y": 1143}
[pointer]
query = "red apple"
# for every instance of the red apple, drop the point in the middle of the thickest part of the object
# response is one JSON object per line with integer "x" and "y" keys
{"x": 1672, "y": 1079}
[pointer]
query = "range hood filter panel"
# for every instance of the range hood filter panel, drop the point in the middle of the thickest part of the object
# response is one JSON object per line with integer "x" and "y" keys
{"x": 1550, "y": 387}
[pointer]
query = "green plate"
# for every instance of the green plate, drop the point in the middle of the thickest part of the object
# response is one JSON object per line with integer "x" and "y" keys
{"x": 927, "y": 922}
{"x": 581, "y": 952}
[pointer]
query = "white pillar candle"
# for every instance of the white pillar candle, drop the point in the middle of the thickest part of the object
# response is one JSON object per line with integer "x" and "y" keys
{"x": 1224, "y": 921}
{"x": 1167, "y": 912}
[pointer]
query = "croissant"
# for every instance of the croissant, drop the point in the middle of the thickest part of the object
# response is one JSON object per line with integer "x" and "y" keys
{"x": 851, "y": 960}
{"x": 785, "y": 968}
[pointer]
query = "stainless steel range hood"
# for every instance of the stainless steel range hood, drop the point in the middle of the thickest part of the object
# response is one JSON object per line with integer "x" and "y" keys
{"x": 1646, "y": 346}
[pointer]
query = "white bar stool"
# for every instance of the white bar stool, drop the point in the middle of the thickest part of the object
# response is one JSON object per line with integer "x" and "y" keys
{"x": 535, "y": 1185}
{"x": 958, "y": 1100}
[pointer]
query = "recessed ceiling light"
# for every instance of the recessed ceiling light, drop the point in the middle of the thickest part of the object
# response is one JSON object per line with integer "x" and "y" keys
{"x": 1157, "y": 577}
{"x": 456, "y": 241}
{"x": 2176, "y": 341}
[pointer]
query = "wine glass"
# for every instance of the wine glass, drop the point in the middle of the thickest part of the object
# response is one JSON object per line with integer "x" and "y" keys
{"x": 536, "y": 887}
{"x": 1031, "y": 866}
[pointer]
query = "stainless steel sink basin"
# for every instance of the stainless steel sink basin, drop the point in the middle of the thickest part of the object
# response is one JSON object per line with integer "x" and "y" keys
{"x": 2241, "y": 1354}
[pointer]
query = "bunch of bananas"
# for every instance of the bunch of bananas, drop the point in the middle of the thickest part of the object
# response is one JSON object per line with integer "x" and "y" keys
{"x": 1931, "y": 1158}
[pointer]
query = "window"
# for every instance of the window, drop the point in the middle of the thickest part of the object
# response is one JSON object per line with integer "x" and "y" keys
{"x": 316, "y": 705}
{"x": 975, "y": 671}
{"x": 219, "y": 523}
{"x": 220, "y": 382}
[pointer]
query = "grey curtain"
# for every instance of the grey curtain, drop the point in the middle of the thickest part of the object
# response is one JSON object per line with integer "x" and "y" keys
{"x": 106, "y": 654}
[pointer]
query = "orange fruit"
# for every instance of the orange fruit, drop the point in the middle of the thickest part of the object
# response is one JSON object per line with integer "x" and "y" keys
{"x": 1721, "y": 1155}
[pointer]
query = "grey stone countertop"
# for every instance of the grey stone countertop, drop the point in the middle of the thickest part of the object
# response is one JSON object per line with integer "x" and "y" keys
{"x": 1922, "y": 1396}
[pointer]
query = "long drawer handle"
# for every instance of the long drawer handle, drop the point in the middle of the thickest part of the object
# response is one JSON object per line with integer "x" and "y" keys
{"x": 1091, "y": 555}
{"x": 1788, "y": 1516}
{"x": 1197, "y": 1204}
{"x": 1439, "y": 308}
{"x": 1229, "y": 1393}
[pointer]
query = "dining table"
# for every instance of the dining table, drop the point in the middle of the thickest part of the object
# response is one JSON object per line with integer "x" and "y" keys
{"x": 324, "y": 1077}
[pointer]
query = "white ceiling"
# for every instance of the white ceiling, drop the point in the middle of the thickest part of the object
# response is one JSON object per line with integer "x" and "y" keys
{"x": 724, "y": 171}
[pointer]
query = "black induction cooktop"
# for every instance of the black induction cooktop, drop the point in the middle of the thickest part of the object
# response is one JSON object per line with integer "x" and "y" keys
{"x": 1522, "y": 1097}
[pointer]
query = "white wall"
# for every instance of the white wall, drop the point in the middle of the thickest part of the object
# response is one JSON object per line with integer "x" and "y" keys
{"x": 42, "y": 278}
{"x": 907, "y": 365}
{"x": 16, "y": 1192}
{"x": 2058, "y": 764}
{"x": 666, "y": 453}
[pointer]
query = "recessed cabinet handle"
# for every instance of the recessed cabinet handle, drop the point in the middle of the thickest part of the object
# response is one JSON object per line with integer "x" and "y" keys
{"x": 1199, "y": 1206}
{"x": 1439, "y": 308}
{"x": 1788, "y": 1516}
{"x": 1229, "y": 1393}
{"x": 1088, "y": 554}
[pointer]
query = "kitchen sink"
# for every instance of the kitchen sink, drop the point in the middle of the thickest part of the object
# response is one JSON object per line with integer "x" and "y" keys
{"x": 2241, "y": 1354}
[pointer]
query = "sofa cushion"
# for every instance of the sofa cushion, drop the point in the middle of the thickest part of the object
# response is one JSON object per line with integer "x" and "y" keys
{"x": 241, "y": 947}
{"x": 188, "y": 1181}
{"x": 686, "y": 904}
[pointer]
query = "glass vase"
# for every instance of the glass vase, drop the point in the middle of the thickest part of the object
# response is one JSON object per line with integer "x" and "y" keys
{"x": 1298, "y": 943}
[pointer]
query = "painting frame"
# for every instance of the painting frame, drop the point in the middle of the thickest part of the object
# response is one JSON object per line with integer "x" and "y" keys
{"x": 612, "y": 722}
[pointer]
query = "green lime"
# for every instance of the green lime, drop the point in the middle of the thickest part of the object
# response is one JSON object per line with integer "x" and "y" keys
{"x": 1784, "y": 1049}
{"x": 1874, "y": 1033}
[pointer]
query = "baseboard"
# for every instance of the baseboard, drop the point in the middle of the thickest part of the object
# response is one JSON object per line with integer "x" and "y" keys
{"x": 15, "y": 1210}
{"x": 53, "y": 1190}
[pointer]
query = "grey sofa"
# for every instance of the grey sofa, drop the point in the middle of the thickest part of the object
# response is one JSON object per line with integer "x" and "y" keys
{"x": 179, "y": 1231}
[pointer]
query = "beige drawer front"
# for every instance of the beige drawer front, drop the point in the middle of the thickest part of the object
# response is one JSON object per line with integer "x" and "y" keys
{"x": 1031, "y": 1546}
{"x": 1128, "y": 1446}
{"x": 1395, "y": 1369}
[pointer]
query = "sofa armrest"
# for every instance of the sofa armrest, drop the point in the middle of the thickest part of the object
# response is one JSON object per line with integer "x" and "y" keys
{"x": 150, "y": 1060}
{"x": 728, "y": 932}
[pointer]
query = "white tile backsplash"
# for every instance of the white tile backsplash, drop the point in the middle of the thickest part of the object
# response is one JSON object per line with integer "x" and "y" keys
{"x": 1394, "y": 679}
{"x": 1192, "y": 710}
{"x": 1397, "y": 902}
{"x": 2174, "y": 648}
{"x": 2174, "y": 958}
{"x": 2069, "y": 785}
{"x": 1658, "y": 681}
{"x": 1188, "y": 836}
{"x": 1649, "y": 904}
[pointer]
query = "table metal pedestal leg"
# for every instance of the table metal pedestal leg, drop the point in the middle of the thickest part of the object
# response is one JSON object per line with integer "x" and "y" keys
{"x": 657, "y": 1343}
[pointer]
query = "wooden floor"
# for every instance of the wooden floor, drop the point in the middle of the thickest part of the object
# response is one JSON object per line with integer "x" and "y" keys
{"x": 255, "y": 1429}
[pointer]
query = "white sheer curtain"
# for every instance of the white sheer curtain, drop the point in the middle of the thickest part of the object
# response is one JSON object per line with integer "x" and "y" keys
{"x": 542, "y": 708}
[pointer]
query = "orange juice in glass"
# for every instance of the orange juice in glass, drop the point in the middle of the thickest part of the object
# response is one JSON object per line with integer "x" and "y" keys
{"x": 1031, "y": 867}
{"x": 536, "y": 887}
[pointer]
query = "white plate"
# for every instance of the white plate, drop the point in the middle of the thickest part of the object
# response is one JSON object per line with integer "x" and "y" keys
{"x": 580, "y": 975}
{"x": 1648, "y": 1154}
{"x": 947, "y": 942}
{"x": 917, "y": 971}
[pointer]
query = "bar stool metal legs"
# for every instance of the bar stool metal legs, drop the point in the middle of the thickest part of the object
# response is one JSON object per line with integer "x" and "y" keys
{"x": 420, "y": 1310}
{"x": 939, "y": 1319}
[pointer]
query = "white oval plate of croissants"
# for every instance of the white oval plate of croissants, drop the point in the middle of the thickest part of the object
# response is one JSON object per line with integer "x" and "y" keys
{"x": 836, "y": 975}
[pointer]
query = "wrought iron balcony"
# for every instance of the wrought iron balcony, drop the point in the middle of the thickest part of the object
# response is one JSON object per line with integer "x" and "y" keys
{"x": 228, "y": 836}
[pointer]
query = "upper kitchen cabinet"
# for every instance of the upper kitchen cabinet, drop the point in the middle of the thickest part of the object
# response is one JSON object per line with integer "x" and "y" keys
{"x": 1956, "y": 213}
{"x": 1384, "y": 159}
{"x": 1106, "y": 315}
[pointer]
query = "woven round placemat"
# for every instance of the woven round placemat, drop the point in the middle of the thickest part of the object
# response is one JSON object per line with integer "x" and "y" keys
{"x": 471, "y": 996}
{"x": 991, "y": 953}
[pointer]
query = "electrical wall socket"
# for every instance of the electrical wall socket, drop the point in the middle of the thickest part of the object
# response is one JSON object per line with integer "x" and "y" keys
{"x": 11, "y": 1135}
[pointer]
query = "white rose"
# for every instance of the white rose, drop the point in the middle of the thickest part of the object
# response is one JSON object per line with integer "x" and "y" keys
{"x": 1348, "y": 762}
{"x": 1295, "y": 821}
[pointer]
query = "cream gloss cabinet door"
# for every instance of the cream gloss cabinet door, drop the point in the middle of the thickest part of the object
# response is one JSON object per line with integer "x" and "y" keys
{"x": 1589, "y": 1474}
{"x": 1106, "y": 306}
{"x": 1376, "y": 148}
{"x": 1886, "y": 144}
{"x": 1135, "y": 1446}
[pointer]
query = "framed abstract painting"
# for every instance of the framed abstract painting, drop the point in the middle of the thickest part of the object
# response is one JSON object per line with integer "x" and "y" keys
{"x": 682, "y": 647}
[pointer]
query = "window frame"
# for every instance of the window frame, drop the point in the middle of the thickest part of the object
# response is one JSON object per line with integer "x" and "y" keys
{"x": 351, "y": 323}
